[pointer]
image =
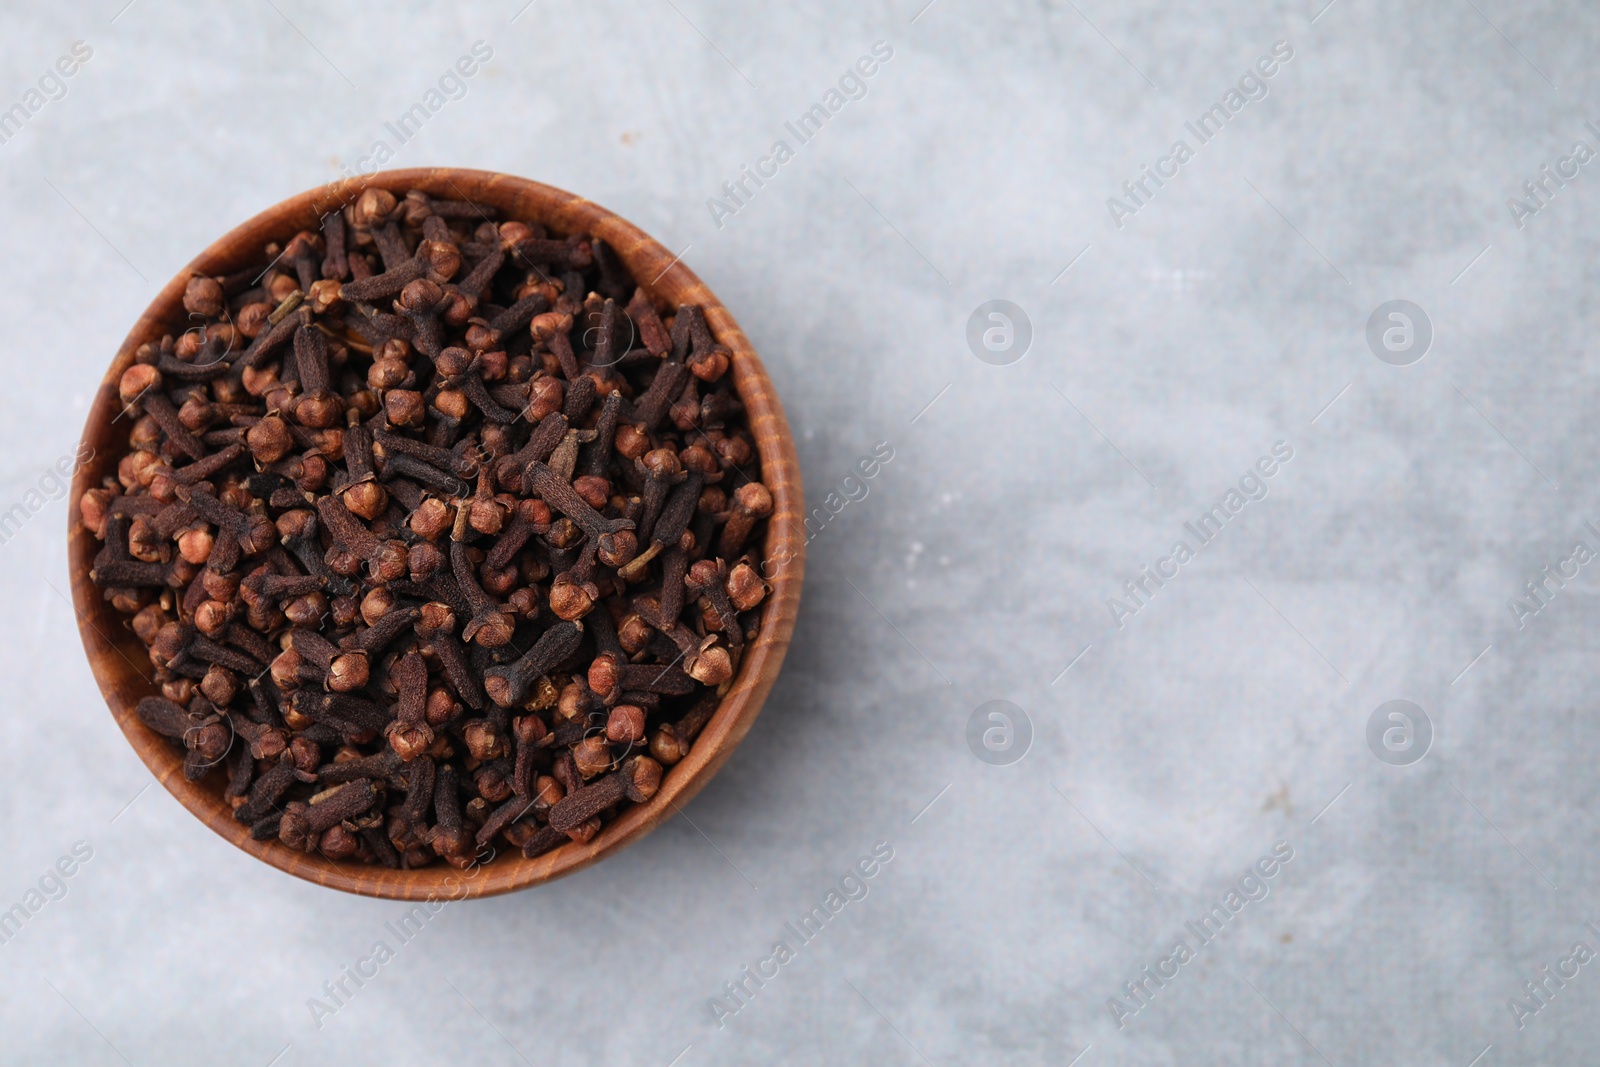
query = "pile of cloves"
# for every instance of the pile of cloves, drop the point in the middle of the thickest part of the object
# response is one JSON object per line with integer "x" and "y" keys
{"x": 439, "y": 531}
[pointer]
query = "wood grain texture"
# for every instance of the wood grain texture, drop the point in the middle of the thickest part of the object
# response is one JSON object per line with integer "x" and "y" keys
{"x": 120, "y": 661}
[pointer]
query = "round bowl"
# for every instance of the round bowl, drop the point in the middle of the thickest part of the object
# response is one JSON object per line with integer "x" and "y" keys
{"x": 121, "y": 664}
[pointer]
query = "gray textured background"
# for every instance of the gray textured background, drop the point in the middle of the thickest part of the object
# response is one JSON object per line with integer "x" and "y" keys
{"x": 1226, "y": 716}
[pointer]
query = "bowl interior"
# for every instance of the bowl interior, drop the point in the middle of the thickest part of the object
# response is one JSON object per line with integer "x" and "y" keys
{"x": 121, "y": 664}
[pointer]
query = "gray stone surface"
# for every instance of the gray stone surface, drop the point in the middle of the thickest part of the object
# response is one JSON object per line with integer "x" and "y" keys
{"x": 1227, "y": 313}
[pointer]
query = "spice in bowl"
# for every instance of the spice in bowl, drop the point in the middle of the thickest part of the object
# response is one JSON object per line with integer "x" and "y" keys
{"x": 440, "y": 533}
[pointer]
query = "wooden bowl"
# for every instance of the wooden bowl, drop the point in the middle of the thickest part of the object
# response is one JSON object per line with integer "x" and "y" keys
{"x": 121, "y": 663}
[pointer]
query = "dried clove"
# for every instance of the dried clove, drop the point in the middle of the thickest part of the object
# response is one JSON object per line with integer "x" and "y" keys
{"x": 422, "y": 521}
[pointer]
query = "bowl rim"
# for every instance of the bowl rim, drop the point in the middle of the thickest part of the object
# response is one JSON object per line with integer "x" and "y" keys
{"x": 120, "y": 663}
